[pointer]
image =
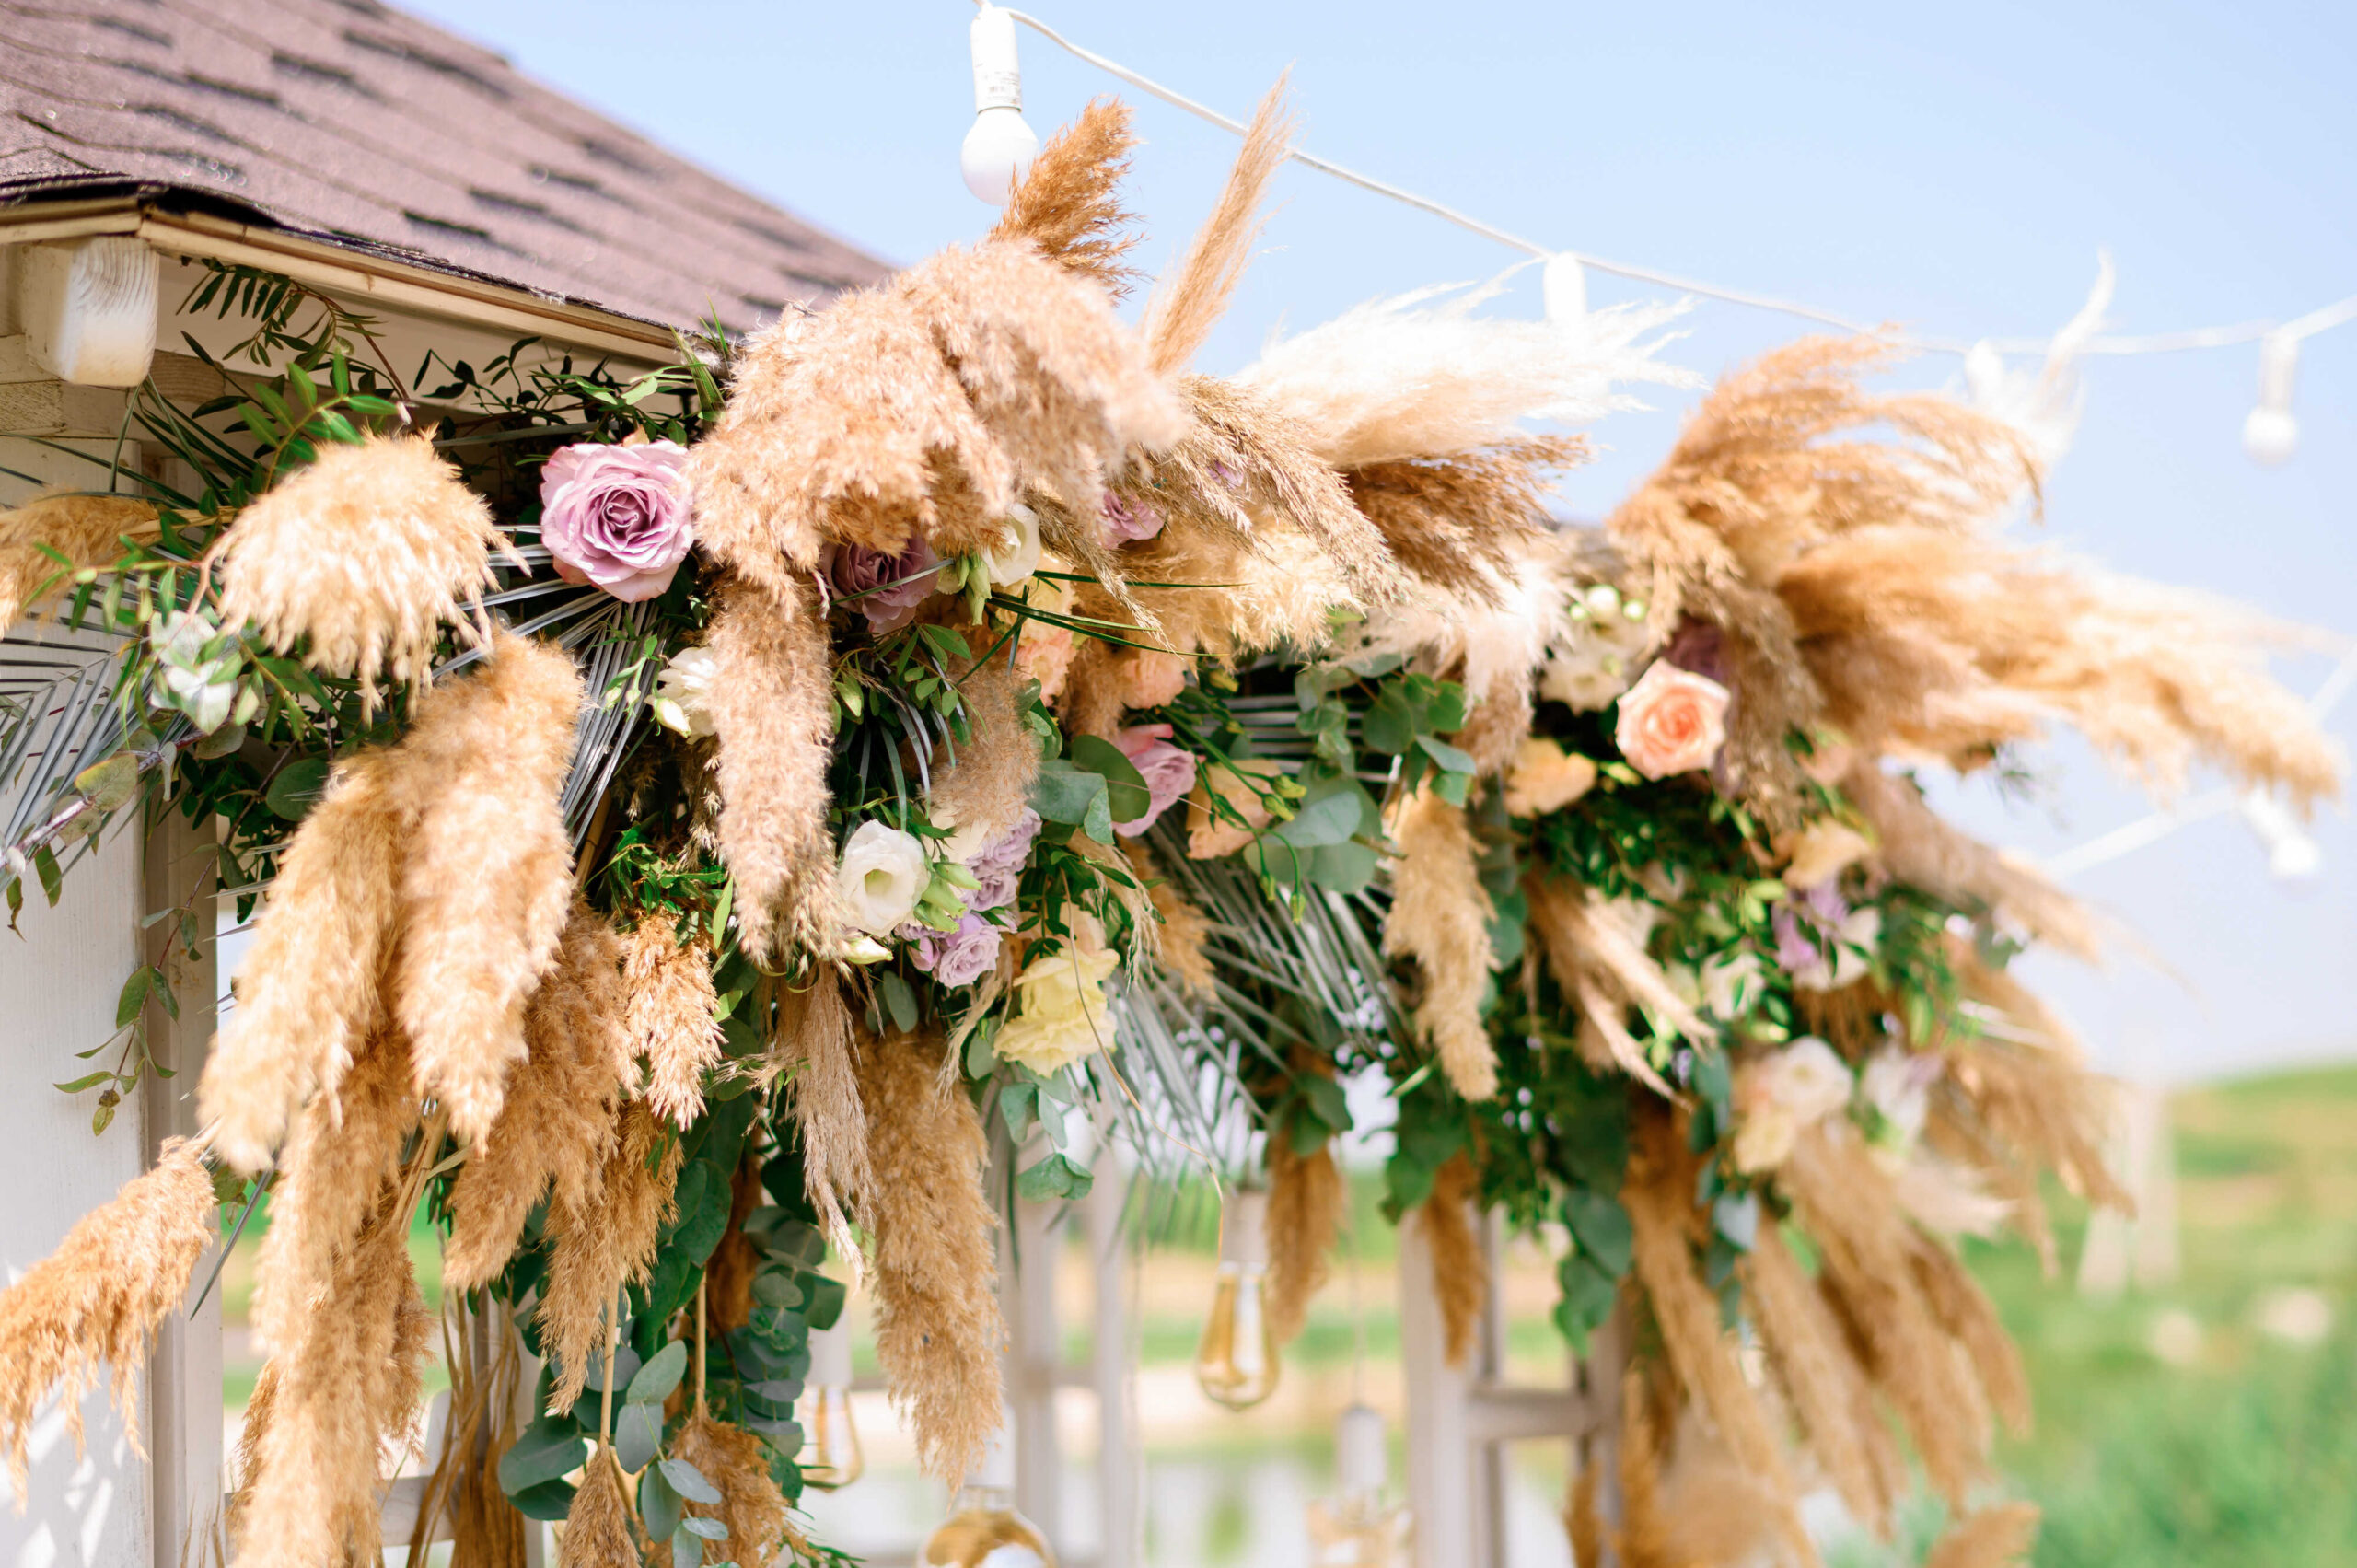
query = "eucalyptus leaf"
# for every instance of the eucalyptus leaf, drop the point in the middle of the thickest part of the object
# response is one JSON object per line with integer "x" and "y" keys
{"x": 296, "y": 788}
{"x": 638, "y": 1433}
{"x": 710, "y": 1530}
{"x": 655, "y": 1381}
{"x": 549, "y": 1501}
{"x": 687, "y": 1480}
{"x": 661, "y": 1506}
{"x": 552, "y": 1446}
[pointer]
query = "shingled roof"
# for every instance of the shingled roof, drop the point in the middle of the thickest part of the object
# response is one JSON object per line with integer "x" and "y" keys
{"x": 359, "y": 126}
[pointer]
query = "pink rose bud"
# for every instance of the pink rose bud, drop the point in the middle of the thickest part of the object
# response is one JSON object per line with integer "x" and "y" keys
{"x": 617, "y": 516}
{"x": 1168, "y": 771}
{"x": 1672, "y": 721}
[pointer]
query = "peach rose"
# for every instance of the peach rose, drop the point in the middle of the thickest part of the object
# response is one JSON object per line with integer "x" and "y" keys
{"x": 1544, "y": 777}
{"x": 1672, "y": 721}
{"x": 1151, "y": 677}
{"x": 1208, "y": 836}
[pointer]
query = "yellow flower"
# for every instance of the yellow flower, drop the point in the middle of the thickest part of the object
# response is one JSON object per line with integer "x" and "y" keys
{"x": 1065, "y": 1015}
{"x": 1545, "y": 778}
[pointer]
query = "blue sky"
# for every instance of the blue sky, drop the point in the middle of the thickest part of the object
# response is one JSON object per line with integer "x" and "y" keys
{"x": 1956, "y": 169}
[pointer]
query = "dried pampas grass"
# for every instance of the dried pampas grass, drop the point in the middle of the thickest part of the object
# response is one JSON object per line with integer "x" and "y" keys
{"x": 363, "y": 557}
{"x": 1182, "y": 955}
{"x": 774, "y": 709}
{"x": 1068, "y": 203}
{"x": 99, "y": 1297}
{"x": 1607, "y": 970}
{"x": 556, "y": 1127}
{"x": 984, "y": 792}
{"x": 487, "y": 870}
{"x": 1440, "y": 917}
{"x": 813, "y": 1048}
{"x": 669, "y": 1017}
{"x": 604, "y": 1243}
{"x": 931, "y": 403}
{"x": 598, "y": 1529}
{"x": 937, "y": 1327}
{"x": 1822, "y": 1381}
{"x": 1916, "y": 845}
{"x": 1191, "y": 299}
{"x": 1464, "y": 524}
{"x": 1460, "y": 1274}
{"x": 89, "y": 531}
{"x": 1999, "y": 1536}
{"x": 750, "y": 1505}
{"x": 1398, "y": 380}
{"x": 1307, "y": 1200}
{"x": 309, "y": 989}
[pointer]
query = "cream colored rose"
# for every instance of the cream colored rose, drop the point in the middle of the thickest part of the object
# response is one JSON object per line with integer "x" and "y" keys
{"x": 882, "y": 876}
{"x": 1544, "y": 777}
{"x": 1781, "y": 1096}
{"x": 1017, "y": 555}
{"x": 1824, "y": 851}
{"x": 1064, "y": 1016}
{"x": 1209, "y": 837}
{"x": 1672, "y": 721}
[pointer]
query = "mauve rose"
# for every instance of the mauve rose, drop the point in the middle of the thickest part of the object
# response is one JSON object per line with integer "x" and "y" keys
{"x": 1700, "y": 647}
{"x": 1168, "y": 771}
{"x": 958, "y": 957}
{"x": 1672, "y": 721}
{"x": 1009, "y": 850}
{"x": 890, "y": 587}
{"x": 1125, "y": 521}
{"x": 617, "y": 516}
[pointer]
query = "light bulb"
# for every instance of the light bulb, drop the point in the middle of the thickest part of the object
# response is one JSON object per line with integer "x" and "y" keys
{"x": 1562, "y": 290}
{"x": 983, "y": 1531}
{"x": 1354, "y": 1529}
{"x": 1000, "y": 147}
{"x": 2292, "y": 853}
{"x": 1235, "y": 1363}
{"x": 830, "y": 1455}
{"x": 2270, "y": 435}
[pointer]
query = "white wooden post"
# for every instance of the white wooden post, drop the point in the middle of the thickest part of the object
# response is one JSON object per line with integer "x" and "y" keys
{"x": 1034, "y": 1361}
{"x": 1113, "y": 1370}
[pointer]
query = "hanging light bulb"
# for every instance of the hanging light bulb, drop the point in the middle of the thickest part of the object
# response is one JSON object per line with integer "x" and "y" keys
{"x": 1562, "y": 290}
{"x": 1354, "y": 1529}
{"x": 1236, "y": 1364}
{"x": 983, "y": 1531}
{"x": 1000, "y": 147}
{"x": 2270, "y": 435}
{"x": 2292, "y": 853}
{"x": 830, "y": 1455}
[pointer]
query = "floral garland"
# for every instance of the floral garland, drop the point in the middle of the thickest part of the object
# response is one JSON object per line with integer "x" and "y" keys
{"x": 699, "y": 821}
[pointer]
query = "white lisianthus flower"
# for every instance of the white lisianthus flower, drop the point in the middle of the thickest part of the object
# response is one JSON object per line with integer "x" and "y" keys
{"x": 1731, "y": 985}
{"x": 1781, "y": 1096}
{"x": 1064, "y": 1016}
{"x": 1018, "y": 557}
{"x": 683, "y": 691}
{"x": 882, "y": 876}
{"x": 1898, "y": 1084}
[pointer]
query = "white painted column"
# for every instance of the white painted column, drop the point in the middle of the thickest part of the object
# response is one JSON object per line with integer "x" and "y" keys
{"x": 59, "y": 978}
{"x": 1440, "y": 1445}
{"x": 1121, "y": 1466}
{"x": 1033, "y": 1363}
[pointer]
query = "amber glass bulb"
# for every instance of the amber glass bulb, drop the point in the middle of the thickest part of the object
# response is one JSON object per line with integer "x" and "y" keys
{"x": 1235, "y": 1362}
{"x": 830, "y": 1455}
{"x": 983, "y": 1528}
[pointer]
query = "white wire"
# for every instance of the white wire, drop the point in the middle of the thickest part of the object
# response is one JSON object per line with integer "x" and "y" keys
{"x": 2324, "y": 318}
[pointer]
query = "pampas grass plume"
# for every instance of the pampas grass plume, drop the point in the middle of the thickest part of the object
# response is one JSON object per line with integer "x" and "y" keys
{"x": 487, "y": 871}
{"x": 1191, "y": 298}
{"x": 86, "y": 529}
{"x": 773, "y": 708}
{"x": 362, "y": 557}
{"x": 1068, "y": 203}
{"x": 1999, "y": 1536}
{"x": 604, "y": 1243}
{"x": 598, "y": 1529}
{"x": 99, "y": 1297}
{"x": 669, "y": 1017}
{"x": 1460, "y": 1277}
{"x": 750, "y": 1504}
{"x": 1306, "y": 1198}
{"x": 1440, "y": 916}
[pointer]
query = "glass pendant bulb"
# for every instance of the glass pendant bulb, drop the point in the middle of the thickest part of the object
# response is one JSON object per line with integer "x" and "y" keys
{"x": 1353, "y": 1529}
{"x": 1235, "y": 1363}
{"x": 983, "y": 1531}
{"x": 830, "y": 1455}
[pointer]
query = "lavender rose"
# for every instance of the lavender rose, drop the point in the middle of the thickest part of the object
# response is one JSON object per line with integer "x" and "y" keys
{"x": 1125, "y": 521}
{"x": 958, "y": 957}
{"x": 890, "y": 587}
{"x": 617, "y": 516}
{"x": 1168, "y": 771}
{"x": 1009, "y": 850}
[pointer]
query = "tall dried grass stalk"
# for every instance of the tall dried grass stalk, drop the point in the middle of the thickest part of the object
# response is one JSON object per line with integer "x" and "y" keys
{"x": 670, "y": 1018}
{"x": 487, "y": 872}
{"x": 1461, "y": 524}
{"x": 814, "y": 1046}
{"x": 774, "y": 710}
{"x": 1440, "y": 917}
{"x": 1845, "y": 1202}
{"x": 1821, "y": 1376}
{"x": 927, "y": 405}
{"x": 1307, "y": 1199}
{"x": 604, "y": 1243}
{"x": 556, "y": 1128}
{"x": 99, "y": 1297}
{"x": 1186, "y": 929}
{"x": 1999, "y": 1536}
{"x": 1963, "y": 1309}
{"x": 1191, "y": 299}
{"x": 986, "y": 788}
{"x": 89, "y": 531}
{"x": 309, "y": 991}
{"x": 1398, "y": 380}
{"x": 1069, "y": 202}
{"x": 750, "y": 1505}
{"x": 1916, "y": 845}
{"x": 1460, "y": 1274}
{"x": 483, "y": 1359}
{"x": 598, "y": 1529}
{"x": 935, "y": 1265}
{"x": 1609, "y": 971}
{"x": 1658, "y": 1194}
{"x": 348, "y": 1387}
{"x": 361, "y": 558}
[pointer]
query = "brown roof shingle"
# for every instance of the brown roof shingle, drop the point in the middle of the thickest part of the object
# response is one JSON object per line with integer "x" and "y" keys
{"x": 357, "y": 122}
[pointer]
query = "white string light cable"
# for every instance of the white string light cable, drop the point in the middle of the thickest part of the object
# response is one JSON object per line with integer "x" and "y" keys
{"x": 1001, "y": 145}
